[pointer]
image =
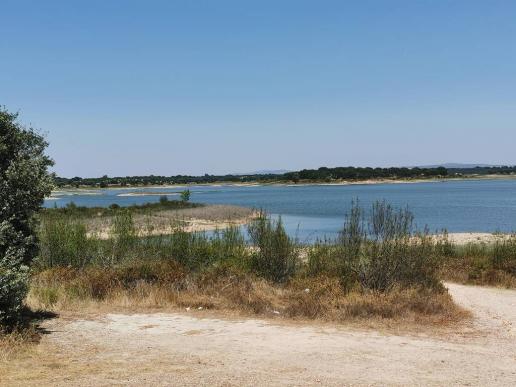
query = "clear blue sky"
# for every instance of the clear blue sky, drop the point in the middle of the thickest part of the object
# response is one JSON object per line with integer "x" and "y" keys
{"x": 193, "y": 87}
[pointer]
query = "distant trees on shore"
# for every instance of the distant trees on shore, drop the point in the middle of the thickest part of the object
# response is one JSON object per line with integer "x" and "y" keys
{"x": 321, "y": 174}
{"x": 358, "y": 173}
{"x": 500, "y": 170}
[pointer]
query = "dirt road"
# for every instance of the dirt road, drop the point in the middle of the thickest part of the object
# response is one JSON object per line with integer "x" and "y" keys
{"x": 181, "y": 349}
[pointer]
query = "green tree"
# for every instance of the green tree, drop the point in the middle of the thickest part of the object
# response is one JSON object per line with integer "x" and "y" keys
{"x": 185, "y": 195}
{"x": 24, "y": 183}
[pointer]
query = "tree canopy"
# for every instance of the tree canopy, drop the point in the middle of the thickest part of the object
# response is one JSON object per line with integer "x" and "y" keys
{"x": 24, "y": 183}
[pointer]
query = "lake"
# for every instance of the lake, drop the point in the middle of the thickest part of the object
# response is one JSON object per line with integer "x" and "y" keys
{"x": 310, "y": 211}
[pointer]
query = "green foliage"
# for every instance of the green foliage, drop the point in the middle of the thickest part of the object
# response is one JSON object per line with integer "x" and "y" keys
{"x": 504, "y": 256}
{"x": 63, "y": 241}
{"x": 13, "y": 288}
{"x": 357, "y": 173}
{"x": 124, "y": 236}
{"x": 24, "y": 183}
{"x": 500, "y": 170}
{"x": 383, "y": 251}
{"x": 379, "y": 251}
{"x": 321, "y": 174}
{"x": 276, "y": 256}
{"x": 185, "y": 195}
{"x": 321, "y": 259}
{"x": 73, "y": 210}
{"x": 483, "y": 263}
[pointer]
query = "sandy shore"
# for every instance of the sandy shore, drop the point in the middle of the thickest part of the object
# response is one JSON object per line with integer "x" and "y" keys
{"x": 188, "y": 225}
{"x": 464, "y": 238}
{"x": 149, "y": 194}
{"x": 207, "y": 218}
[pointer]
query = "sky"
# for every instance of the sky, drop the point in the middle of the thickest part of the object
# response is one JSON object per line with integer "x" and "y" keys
{"x": 125, "y": 87}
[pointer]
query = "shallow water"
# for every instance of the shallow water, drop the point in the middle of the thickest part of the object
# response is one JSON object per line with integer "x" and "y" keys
{"x": 310, "y": 211}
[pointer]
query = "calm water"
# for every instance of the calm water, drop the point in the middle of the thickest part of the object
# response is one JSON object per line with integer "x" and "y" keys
{"x": 317, "y": 210}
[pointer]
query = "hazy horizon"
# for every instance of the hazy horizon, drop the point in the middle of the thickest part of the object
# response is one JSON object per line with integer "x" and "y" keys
{"x": 166, "y": 88}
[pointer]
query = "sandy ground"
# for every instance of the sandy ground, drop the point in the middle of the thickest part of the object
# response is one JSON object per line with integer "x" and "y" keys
{"x": 464, "y": 238}
{"x": 191, "y": 348}
{"x": 189, "y": 225}
{"x": 164, "y": 222}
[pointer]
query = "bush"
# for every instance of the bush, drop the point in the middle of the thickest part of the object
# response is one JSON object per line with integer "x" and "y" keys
{"x": 321, "y": 259}
{"x": 482, "y": 263}
{"x": 63, "y": 241}
{"x": 124, "y": 236}
{"x": 13, "y": 288}
{"x": 185, "y": 196}
{"x": 195, "y": 250}
{"x": 276, "y": 256}
{"x": 24, "y": 183}
{"x": 504, "y": 256}
{"x": 383, "y": 250}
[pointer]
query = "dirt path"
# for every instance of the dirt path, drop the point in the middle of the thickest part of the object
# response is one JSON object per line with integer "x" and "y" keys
{"x": 177, "y": 349}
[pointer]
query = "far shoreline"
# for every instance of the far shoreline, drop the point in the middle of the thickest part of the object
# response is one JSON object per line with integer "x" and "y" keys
{"x": 293, "y": 184}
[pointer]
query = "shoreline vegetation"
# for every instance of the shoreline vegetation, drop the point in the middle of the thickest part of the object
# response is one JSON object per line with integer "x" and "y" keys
{"x": 161, "y": 218}
{"x": 323, "y": 175}
{"x": 391, "y": 274}
{"x": 167, "y": 215}
{"x": 71, "y": 190}
{"x": 87, "y": 190}
{"x": 379, "y": 268}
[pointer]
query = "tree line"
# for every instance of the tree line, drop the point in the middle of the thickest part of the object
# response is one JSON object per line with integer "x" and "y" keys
{"x": 498, "y": 170}
{"x": 321, "y": 174}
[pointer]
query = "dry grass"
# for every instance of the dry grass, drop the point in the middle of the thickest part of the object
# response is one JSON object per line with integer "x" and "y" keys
{"x": 482, "y": 264}
{"x": 17, "y": 343}
{"x": 153, "y": 222}
{"x": 166, "y": 285}
{"x": 466, "y": 271}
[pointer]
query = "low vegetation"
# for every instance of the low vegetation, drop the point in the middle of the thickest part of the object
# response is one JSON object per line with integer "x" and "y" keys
{"x": 72, "y": 210}
{"x": 492, "y": 264}
{"x": 164, "y": 217}
{"x": 380, "y": 267}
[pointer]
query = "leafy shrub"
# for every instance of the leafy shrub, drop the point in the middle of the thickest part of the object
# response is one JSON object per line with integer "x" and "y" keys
{"x": 383, "y": 250}
{"x": 321, "y": 259}
{"x": 276, "y": 256}
{"x": 24, "y": 183}
{"x": 197, "y": 250}
{"x": 13, "y": 287}
{"x": 185, "y": 196}
{"x": 124, "y": 235}
{"x": 63, "y": 241}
